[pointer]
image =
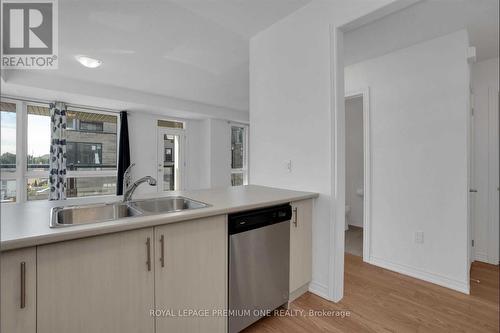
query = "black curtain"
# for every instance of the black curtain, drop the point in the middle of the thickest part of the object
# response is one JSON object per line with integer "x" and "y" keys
{"x": 123, "y": 153}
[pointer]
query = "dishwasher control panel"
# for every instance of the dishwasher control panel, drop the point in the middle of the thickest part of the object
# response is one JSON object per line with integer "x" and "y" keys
{"x": 244, "y": 221}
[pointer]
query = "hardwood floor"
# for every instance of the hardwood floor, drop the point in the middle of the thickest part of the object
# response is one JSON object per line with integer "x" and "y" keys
{"x": 383, "y": 301}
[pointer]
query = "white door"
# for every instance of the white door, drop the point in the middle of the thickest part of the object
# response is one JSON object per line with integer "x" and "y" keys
{"x": 170, "y": 159}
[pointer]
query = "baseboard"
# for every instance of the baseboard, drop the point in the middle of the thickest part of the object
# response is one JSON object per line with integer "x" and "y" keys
{"x": 319, "y": 289}
{"x": 298, "y": 292}
{"x": 481, "y": 257}
{"x": 443, "y": 281}
{"x": 356, "y": 224}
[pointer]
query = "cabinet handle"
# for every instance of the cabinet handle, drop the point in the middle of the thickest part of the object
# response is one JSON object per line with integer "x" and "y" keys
{"x": 295, "y": 218}
{"x": 162, "y": 250}
{"x": 23, "y": 285}
{"x": 148, "y": 253}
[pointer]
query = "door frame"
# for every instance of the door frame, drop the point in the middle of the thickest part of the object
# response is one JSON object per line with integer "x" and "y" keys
{"x": 494, "y": 190}
{"x": 337, "y": 147}
{"x": 160, "y": 132}
{"x": 367, "y": 169}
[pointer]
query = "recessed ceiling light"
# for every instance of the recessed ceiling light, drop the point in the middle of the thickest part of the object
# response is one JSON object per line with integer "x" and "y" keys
{"x": 88, "y": 62}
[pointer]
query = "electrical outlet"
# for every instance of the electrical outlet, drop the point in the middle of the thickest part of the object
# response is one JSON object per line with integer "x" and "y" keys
{"x": 288, "y": 165}
{"x": 419, "y": 237}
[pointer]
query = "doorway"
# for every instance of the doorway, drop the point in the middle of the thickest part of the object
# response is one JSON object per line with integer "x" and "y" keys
{"x": 357, "y": 173}
{"x": 170, "y": 159}
{"x": 354, "y": 187}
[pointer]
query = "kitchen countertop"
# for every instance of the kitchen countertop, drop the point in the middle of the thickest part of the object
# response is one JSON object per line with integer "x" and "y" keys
{"x": 27, "y": 224}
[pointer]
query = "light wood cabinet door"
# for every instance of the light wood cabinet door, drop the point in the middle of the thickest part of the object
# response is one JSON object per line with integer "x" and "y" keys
{"x": 301, "y": 244}
{"x": 18, "y": 291}
{"x": 100, "y": 284}
{"x": 191, "y": 274}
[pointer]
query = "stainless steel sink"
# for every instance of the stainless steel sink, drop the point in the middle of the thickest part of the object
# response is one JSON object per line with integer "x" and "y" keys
{"x": 167, "y": 205}
{"x": 85, "y": 214}
{"x": 73, "y": 215}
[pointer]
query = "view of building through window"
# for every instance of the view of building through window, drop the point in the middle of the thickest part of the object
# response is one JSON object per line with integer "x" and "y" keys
{"x": 238, "y": 155}
{"x": 91, "y": 138}
{"x": 91, "y": 141}
{"x": 90, "y": 186}
{"x": 169, "y": 162}
{"x": 91, "y": 152}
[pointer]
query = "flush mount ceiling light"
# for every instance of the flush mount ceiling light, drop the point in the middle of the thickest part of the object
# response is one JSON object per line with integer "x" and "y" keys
{"x": 88, "y": 62}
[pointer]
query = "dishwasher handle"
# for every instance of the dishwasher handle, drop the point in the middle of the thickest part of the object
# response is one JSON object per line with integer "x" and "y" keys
{"x": 245, "y": 221}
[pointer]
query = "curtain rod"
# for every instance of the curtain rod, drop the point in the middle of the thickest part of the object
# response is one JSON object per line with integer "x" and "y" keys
{"x": 85, "y": 107}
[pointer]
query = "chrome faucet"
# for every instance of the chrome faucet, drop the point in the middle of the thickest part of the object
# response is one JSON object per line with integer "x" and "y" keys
{"x": 128, "y": 189}
{"x": 126, "y": 177}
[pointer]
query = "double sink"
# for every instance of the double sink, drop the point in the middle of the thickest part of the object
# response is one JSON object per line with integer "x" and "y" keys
{"x": 85, "y": 214}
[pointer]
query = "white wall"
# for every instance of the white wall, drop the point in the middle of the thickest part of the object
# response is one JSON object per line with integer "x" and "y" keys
{"x": 290, "y": 112}
{"x": 419, "y": 123}
{"x": 220, "y": 152}
{"x": 485, "y": 160}
{"x": 354, "y": 172}
{"x": 406, "y": 27}
{"x": 198, "y": 156}
{"x": 143, "y": 139}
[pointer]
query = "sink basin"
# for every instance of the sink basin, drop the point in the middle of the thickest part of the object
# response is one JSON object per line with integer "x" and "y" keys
{"x": 85, "y": 214}
{"x": 73, "y": 215}
{"x": 167, "y": 205}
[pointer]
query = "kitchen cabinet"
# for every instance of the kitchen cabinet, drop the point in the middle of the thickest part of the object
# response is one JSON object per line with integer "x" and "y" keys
{"x": 300, "y": 247}
{"x": 102, "y": 284}
{"x": 113, "y": 283}
{"x": 191, "y": 275}
{"x": 18, "y": 291}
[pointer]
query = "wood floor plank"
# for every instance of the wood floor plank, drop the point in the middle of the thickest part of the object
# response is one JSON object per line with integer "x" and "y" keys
{"x": 383, "y": 301}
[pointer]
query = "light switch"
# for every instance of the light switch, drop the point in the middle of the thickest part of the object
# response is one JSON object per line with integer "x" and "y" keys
{"x": 419, "y": 237}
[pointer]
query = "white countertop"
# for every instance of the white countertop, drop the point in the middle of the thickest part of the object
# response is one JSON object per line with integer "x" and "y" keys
{"x": 27, "y": 224}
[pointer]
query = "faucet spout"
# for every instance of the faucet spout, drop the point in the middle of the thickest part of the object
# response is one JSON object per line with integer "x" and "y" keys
{"x": 127, "y": 196}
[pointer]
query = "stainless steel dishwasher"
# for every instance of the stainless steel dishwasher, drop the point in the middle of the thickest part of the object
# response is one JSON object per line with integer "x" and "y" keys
{"x": 259, "y": 264}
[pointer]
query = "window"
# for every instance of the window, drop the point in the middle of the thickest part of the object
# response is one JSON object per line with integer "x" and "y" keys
{"x": 38, "y": 189}
{"x": 38, "y": 138}
{"x": 169, "y": 165}
{"x": 8, "y": 190}
{"x": 88, "y": 126}
{"x": 82, "y": 155}
{"x": 90, "y": 186}
{"x": 8, "y": 152}
{"x": 170, "y": 158}
{"x": 94, "y": 146}
{"x": 239, "y": 153}
{"x": 168, "y": 155}
{"x": 8, "y": 137}
{"x": 91, "y": 151}
{"x": 170, "y": 124}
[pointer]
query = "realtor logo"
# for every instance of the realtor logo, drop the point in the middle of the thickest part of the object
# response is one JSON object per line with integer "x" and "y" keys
{"x": 29, "y": 34}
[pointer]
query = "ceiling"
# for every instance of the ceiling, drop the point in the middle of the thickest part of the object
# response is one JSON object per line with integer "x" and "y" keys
{"x": 423, "y": 21}
{"x": 184, "y": 49}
